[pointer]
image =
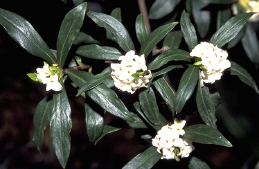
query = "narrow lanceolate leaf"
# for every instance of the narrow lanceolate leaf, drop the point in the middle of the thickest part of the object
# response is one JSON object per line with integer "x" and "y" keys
{"x": 60, "y": 127}
{"x": 114, "y": 26}
{"x": 116, "y": 13}
{"x": 219, "y": 1}
{"x": 157, "y": 35}
{"x": 186, "y": 87}
{"x": 106, "y": 130}
{"x": 223, "y": 16}
{"x": 94, "y": 123}
{"x": 243, "y": 75}
{"x": 196, "y": 163}
{"x": 69, "y": 30}
{"x": 141, "y": 29}
{"x": 173, "y": 39}
{"x": 165, "y": 70}
{"x": 201, "y": 133}
{"x": 161, "y": 8}
{"x": 167, "y": 56}
{"x": 146, "y": 159}
{"x": 79, "y": 77}
{"x": 96, "y": 80}
{"x": 206, "y": 106}
{"x": 41, "y": 120}
{"x": 165, "y": 91}
{"x": 99, "y": 52}
{"x": 188, "y": 30}
{"x": 84, "y": 38}
{"x": 149, "y": 106}
{"x": 25, "y": 35}
{"x": 230, "y": 29}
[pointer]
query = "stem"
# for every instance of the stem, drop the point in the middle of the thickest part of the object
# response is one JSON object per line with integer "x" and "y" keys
{"x": 143, "y": 10}
{"x": 82, "y": 67}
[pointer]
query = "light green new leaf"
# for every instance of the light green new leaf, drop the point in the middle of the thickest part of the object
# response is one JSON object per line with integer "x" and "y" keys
{"x": 94, "y": 123}
{"x": 41, "y": 120}
{"x": 157, "y": 35}
{"x": 204, "y": 134}
{"x": 68, "y": 31}
{"x": 106, "y": 130}
{"x": 186, "y": 87}
{"x": 243, "y": 75}
{"x": 173, "y": 39}
{"x": 144, "y": 160}
{"x": 196, "y": 163}
{"x": 84, "y": 38}
{"x": 206, "y": 106}
{"x": 188, "y": 30}
{"x": 60, "y": 127}
{"x": 114, "y": 26}
{"x": 99, "y": 52}
{"x": 25, "y": 35}
{"x": 230, "y": 29}
{"x": 141, "y": 29}
{"x": 149, "y": 106}
{"x": 95, "y": 81}
{"x": 251, "y": 44}
{"x": 116, "y": 13}
{"x": 161, "y": 8}
{"x": 167, "y": 56}
{"x": 219, "y": 1}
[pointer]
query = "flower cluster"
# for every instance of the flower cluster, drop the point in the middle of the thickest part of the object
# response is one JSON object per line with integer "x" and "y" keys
{"x": 245, "y": 6}
{"x": 48, "y": 75}
{"x": 212, "y": 60}
{"x": 169, "y": 142}
{"x": 131, "y": 73}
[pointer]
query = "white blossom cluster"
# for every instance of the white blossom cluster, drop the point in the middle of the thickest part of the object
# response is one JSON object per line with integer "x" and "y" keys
{"x": 131, "y": 73}
{"x": 212, "y": 60}
{"x": 169, "y": 142}
{"x": 247, "y": 6}
{"x": 47, "y": 75}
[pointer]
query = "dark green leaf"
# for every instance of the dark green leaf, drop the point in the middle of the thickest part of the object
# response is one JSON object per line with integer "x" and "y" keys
{"x": 25, "y": 35}
{"x": 188, "y": 30}
{"x": 69, "y": 30}
{"x": 173, "y": 39}
{"x": 149, "y": 106}
{"x": 153, "y": 38}
{"x": 196, "y": 163}
{"x": 99, "y": 52}
{"x": 84, "y": 38}
{"x": 65, "y": 1}
{"x": 60, "y": 127}
{"x": 106, "y": 130}
{"x": 77, "y": 2}
{"x": 144, "y": 160}
{"x": 201, "y": 133}
{"x": 79, "y": 77}
{"x": 167, "y": 56}
{"x": 219, "y": 1}
{"x": 116, "y": 13}
{"x": 186, "y": 87}
{"x": 141, "y": 29}
{"x": 243, "y": 75}
{"x": 236, "y": 39}
{"x": 165, "y": 70}
{"x": 223, "y": 16}
{"x": 161, "y": 8}
{"x": 206, "y": 106}
{"x": 230, "y": 29}
{"x": 41, "y": 120}
{"x": 94, "y": 123}
{"x": 114, "y": 26}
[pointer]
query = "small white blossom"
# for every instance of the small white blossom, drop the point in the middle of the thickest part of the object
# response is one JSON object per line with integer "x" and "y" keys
{"x": 43, "y": 73}
{"x": 52, "y": 83}
{"x": 122, "y": 72}
{"x": 213, "y": 61}
{"x": 168, "y": 139}
{"x": 246, "y": 6}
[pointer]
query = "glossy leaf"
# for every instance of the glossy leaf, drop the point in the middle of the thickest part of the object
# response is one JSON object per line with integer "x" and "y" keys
{"x": 84, "y": 38}
{"x": 157, "y": 35}
{"x": 77, "y": 2}
{"x": 161, "y": 8}
{"x": 206, "y": 107}
{"x": 141, "y": 29}
{"x": 196, "y": 163}
{"x": 25, "y": 35}
{"x": 106, "y": 130}
{"x": 230, "y": 29}
{"x": 223, "y": 16}
{"x": 219, "y": 1}
{"x": 99, "y": 52}
{"x": 236, "y": 39}
{"x": 201, "y": 133}
{"x": 41, "y": 120}
{"x": 60, "y": 127}
{"x": 251, "y": 44}
{"x": 94, "y": 123}
{"x": 173, "y": 39}
{"x": 165, "y": 70}
{"x": 188, "y": 30}
{"x": 186, "y": 87}
{"x": 116, "y": 13}
{"x": 146, "y": 159}
{"x": 243, "y": 75}
{"x": 114, "y": 26}
{"x": 167, "y": 56}
{"x": 68, "y": 31}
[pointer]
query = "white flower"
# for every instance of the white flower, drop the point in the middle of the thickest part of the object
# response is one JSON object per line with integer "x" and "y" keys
{"x": 122, "y": 73}
{"x": 52, "y": 83}
{"x": 247, "y": 6}
{"x": 43, "y": 73}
